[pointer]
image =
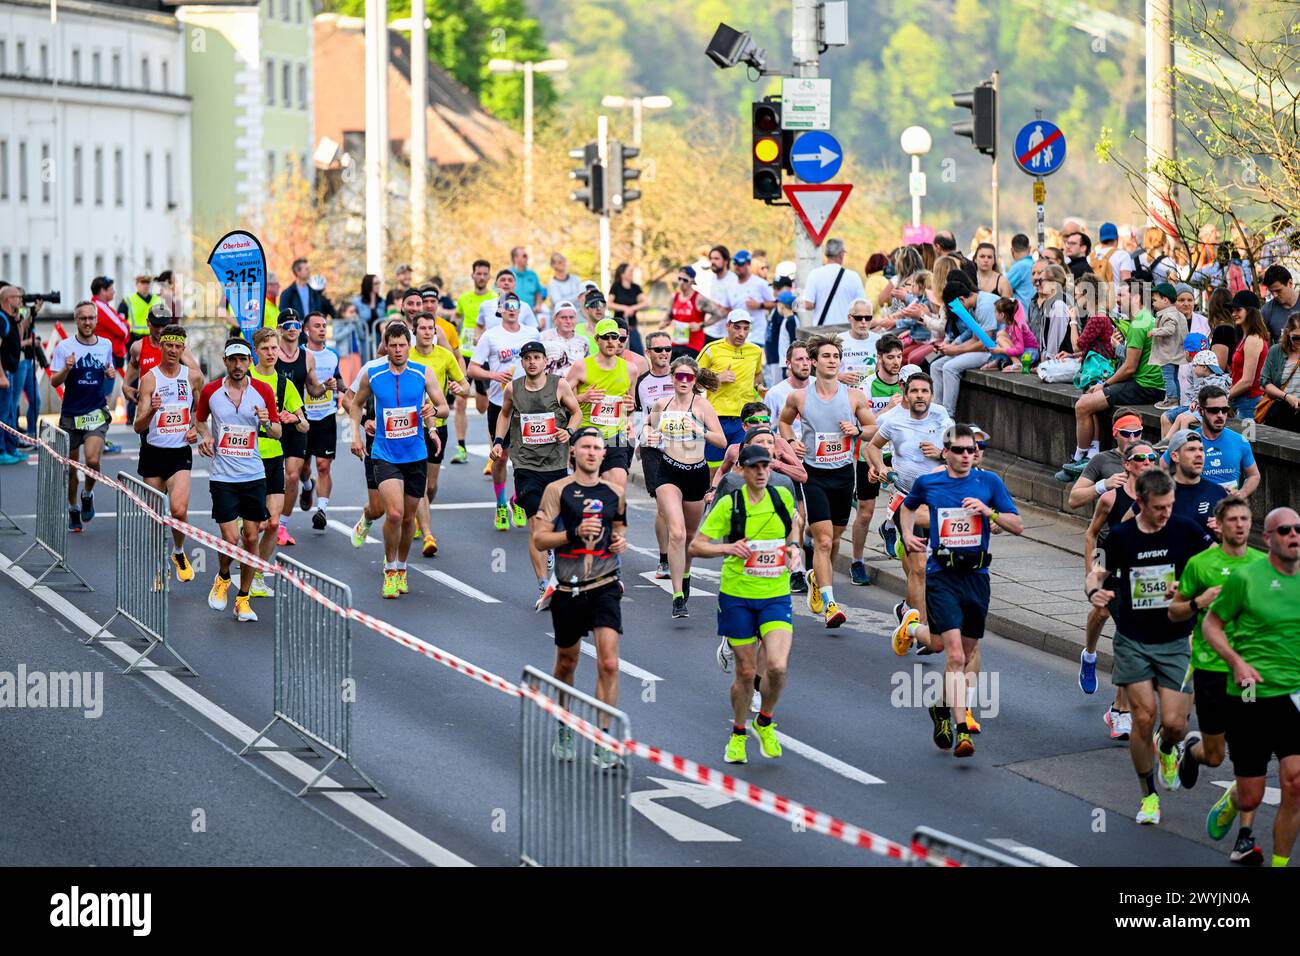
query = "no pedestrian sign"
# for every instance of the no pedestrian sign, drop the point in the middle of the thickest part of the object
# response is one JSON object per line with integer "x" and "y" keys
{"x": 1040, "y": 148}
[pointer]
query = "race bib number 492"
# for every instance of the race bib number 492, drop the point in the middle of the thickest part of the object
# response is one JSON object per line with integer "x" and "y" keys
{"x": 766, "y": 559}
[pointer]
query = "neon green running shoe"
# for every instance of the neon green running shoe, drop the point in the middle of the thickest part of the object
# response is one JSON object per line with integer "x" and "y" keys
{"x": 1168, "y": 764}
{"x": 1150, "y": 809}
{"x": 259, "y": 588}
{"x": 402, "y": 586}
{"x": 390, "y": 584}
{"x": 416, "y": 534}
{"x": 1219, "y": 820}
{"x": 360, "y": 530}
{"x": 736, "y": 749}
{"x": 767, "y": 739}
{"x": 517, "y": 515}
{"x": 502, "y": 522}
{"x": 461, "y": 456}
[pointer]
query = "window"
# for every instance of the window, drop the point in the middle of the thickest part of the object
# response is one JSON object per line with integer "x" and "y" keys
{"x": 119, "y": 268}
{"x": 297, "y": 11}
{"x": 270, "y": 167}
{"x": 99, "y": 268}
{"x": 148, "y": 180}
{"x": 76, "y": 175}
{"x": 148, "y": 262}
{"x": 45, "y": 61}
{"x": 45, "y": 179}
{"x": 4, "y": 169}
{"x": 302, "y": 87}
{"x": 117, "y": 68}
{"x": 4, "y": 68}
{"x": 6, "y": 263}
{"x": 22, "y": 171}
{"x": 285, "y": 83}
{"x": 45, "y": 271}
{"x": 96, "y": 74}
{"x": 167, "y": 180}
{"x": 284, "y": 10}
{"x": 118, "y": 178}
{"x": 79, "y": 275}
{"x": 24, "y": 279}
{"x": 76, "y": 66}
{"x": 99, "y": 176}
{"x": 144, "y": 73}
{"x": 270, "y": 82}
{"x": 21, "y": 50}
{"x": 166, "y": 76}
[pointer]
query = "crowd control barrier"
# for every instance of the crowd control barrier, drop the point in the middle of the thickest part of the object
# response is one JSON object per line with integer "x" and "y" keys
{"x": 12, "y": 525}
{"x": 52, "y": 504}
{"x": 932, "y": 848}
{"x": 574, "y": 810}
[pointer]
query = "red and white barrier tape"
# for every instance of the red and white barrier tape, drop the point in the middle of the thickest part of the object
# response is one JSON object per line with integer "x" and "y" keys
{"x": 754, "y": 796}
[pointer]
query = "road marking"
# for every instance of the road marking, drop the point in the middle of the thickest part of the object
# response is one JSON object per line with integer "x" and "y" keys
{"x": 696, "y": 569}
{"x": 677, "y": 825}
{"x": 833, "y": 764}
{"x": 454, "y": 583}
{"x": 628, "y": 668}
{"x": 353, "y": 803}
{"x": 1272, "y": 795}
{"x": 667, "y": 586}
{"x": 1032, "y": 854}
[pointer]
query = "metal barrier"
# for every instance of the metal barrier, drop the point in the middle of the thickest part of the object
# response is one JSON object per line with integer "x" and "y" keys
{"x": 947, "y": 850}
{"x": 52, "y": 504}
{"x": 313, "y": 685}
{"x": 143, "y": 574}
{"x": 572, "y": 812}
{"x": 13, "y": 525}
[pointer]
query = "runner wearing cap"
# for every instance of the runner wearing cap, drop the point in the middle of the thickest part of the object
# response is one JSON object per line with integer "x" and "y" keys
{"x": 164, "y": 422}
{"x": 299, "y": 366}
{"x": 1195, "y": 497}
{"x": 564, "y": 347}
{"x": 593, "y": 312}
{"x": 240, "y": 408}
{"x": 322, "y": 419}
{"x": 467, "y": 307}
{"x": 492, "y": 312}
{"x": 651, "y": 385}
{"x": 603, "y": 384}
{"x": 752, "y": 530}
{"x": 399, "y": 450}
{"x": 883, "y": 387}
{"x": 445, "y": 365}
{"x": 582, "y": 518}
{"x": 685, "y": 319}
{"x": 1105, "y": 470}
{"x": 84, "y": 362}
{"x": 738, "y": 364}
{"x": 538, "y": 414}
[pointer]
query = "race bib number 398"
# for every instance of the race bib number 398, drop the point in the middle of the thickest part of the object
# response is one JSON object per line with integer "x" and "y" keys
{"x": 831, "y": 448}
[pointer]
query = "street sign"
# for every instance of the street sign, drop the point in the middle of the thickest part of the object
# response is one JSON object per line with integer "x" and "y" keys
{"x": 916, "y": 184}
{"x": 805, "y": 103}
{"x": 817, "y": 206}
{"x": 816, "y": 157}
{"x": 1040, "y": 148}
{"x": 917, "y": 235}
{"x": 1040, "y": 192}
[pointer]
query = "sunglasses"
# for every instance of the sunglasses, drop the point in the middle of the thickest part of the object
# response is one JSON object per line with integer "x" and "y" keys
{"x": 854, "y": 315}
{"x": 1130, "y": 432}
{"x": 609, "y": 336}
{"x": 683, "y": 377}
{"x": 659, "y": 348}
{"x": 981, "y": 445}
{"x": 962, "y": 449}
{"x": 1149, "y": 456}
{"x": 290, "y": 326}
{"x": 1218, "y": 410}
{"x": 1286, "y": 530}
{"x": 758, "y": 419}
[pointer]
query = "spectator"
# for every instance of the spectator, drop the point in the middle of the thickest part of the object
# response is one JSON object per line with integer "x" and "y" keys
{"x": 1203, "y": 371}
{"x": 1054, "y": 254}
{"x": 873, "y": 277}
{"x": 906, "y": 262}
{"x": 714, "y": 286}
{"x": 1052, "y": 328}
{"x": 170, "y": 294}
{"x": 1096, "y": 332}
{"x": 1108, "y": 260}
{"x": 1282, "y": 299}
{"x": 11, "y": 335}
{"x": 527, "y": 284}
{"x": 270, "y": 308}
{"x": 1223, "y": 331}
{"x": 1019, "y": 272}
{"x": 1169, "y": 332}
{"x": 371, "y": 306}
{"x": 350, "y": 332}
{"x": 752, "y": 293}
{"x": 111, "y": 325}
{"x": 29, "y": 374}
{"x": 1281, "y": 378}
{"x": 1078, "y": 248}
{"x": 1185, "y": 302}
{"x": 301, "y": 296}
{"x": 945, "y": 243}
{"x": 988, "y": 278}
{"x": 1153, "y": 260}
{"x": 831, "y": 287}
{"x": 961, "y": 348}
{"x": 1014, "y": 338}
{"x": 402, "y": 277}
{"x": 627, "y": 299}
{"x": 1248, "y": 360}
{"x": 564, "y": 285}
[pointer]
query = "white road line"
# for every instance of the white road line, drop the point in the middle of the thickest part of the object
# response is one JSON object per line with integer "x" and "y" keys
{"x": 833, "y": 764}
{"x": 454, "y": 583}
{"x": 353, "y": 803}
{"x": 1032, "y": 854}
{"x": 631, "y": 670}
{"x": 696, "y": 569}
{"x": 667, "y": 586}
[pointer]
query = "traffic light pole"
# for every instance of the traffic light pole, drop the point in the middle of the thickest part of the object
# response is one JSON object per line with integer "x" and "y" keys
{"x": 602, "y": 145}
{"x": 805, "y": 50}
{"x": 994, "y": 183}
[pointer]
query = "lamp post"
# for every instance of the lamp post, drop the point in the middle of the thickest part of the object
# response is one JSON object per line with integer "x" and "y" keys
{"x": 418, "y": 145}
{"x": 528, "y": 68}
{"x": 637, "y": 104}
{"x": 916, "y": 143}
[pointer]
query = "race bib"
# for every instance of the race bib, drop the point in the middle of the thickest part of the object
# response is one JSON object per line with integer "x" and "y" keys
{"x": 681, "y": 333}
{"x": 172, "y": 419}
{"x": 957, "y": 529}
{"x": 537, "y": 429}
{"x": 89, "y": 421}
{"x": 677, "y": 426}
{"x": 1152, "y": 587}
{"x": 830, "y": 449}
{"x": 895, "y": 503}
{"x": 401, "y": 422}
{"x": 237, "y": 441}
{"x": 767, "y": 558}
{"x": 1229, "y": 486}
{"x": 608, "y": 412}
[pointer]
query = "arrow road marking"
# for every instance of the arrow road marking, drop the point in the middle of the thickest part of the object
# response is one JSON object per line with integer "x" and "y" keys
{"x": 1272, "y": 795}
{"x": 677, "y": 825}
{"x": 1032, "y": 854}
{"x": 823, "y": 157}
{"x": 667, "y": 585}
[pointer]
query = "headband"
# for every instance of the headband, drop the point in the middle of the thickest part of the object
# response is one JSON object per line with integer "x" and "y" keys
{"x": 1126, "y": 422}
{"x": 172, "y": 337}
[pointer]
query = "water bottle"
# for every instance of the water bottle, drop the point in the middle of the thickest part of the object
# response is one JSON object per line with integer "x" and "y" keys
{"x": 1025, "y": 362}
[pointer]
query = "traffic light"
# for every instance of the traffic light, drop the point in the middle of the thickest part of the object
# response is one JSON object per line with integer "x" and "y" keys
{"x": 592, "y": 176}
{"x": 619, "y": 174}
{"x": 768, "y": 152}
{"x": 982, "y": 128}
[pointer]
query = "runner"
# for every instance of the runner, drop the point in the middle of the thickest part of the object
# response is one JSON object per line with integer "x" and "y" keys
{"x": 537, "y": 417}
{"x": 652, "y": 385}
{"x": 564, "y": 346}
{"x": 322, "y": 418}
{"x": 964, "y": 504}
{"x": 833, "y": 415}
{"x": 467, "y": 307}
{"x": 1143, "y": 560}
{"x": 146, "y": 353}
{"x": 164, "y": 422}
{"x": 1201, "y": 583}
{"x": 752, "y": 530}
{"x": 1260, "y": 606}
{"x": 1194, "y": 497}
{"x": 399, "y": 447}
{"x": 298, "y": 365}
{"x": 798, "y": 364}
{"x": 240, "y": 407}
{"x": 85, "y": 363}
{"x": 685, "y": 319}
{"x": 884, "y": 390}
{"x": 1229, "y": 460}
{"x": 496, "y": 361}
{"x": 427, "y": 353}
{"x": 738, "y": 364}
{"x": 679, "y": 426}
{"x": 603, "y": 384}
{"x": 582, "y": 517}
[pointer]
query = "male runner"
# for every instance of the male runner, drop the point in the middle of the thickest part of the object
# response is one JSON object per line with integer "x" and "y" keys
{"x": 1143, "y": 560}
{"x": 164, "y": 422}
{"x": 146, "y": 353}
{"x": 752, "y": 530}
{"x": 399, "y": 450}
{"x": 884, "y": 390}
{"x": 564, "y": 347}
{"x": 582, "y": 517}
{"x": 603, "y": 384}
{"x": 833, "y": 415}
{"x": 538, "y": 414}
{"x": 298, "y": 365}
{"x": 240, "y": 407}
{"x": 651, "y": 385}
{"x": 798, "y": 365}
{"x": 84, "y": 362}
{"x": 322, "y": 420}
{"x": 467, "y": 307}
{"x": 738, "y": 363}
{"x": 1229, "y": 460}
{"x": 1195, "y": 497}
{"x": 1260, "y": 607}
{"x": 443, "y": 362}
{"x": 1201, "y": 583}
{"x": 964, "y": 503}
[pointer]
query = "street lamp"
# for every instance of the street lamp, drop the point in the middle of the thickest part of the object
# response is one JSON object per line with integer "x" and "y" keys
{"x": 637, "y": 104}
{"x": 528, "y": 68}
{"x": 916, "y": 143}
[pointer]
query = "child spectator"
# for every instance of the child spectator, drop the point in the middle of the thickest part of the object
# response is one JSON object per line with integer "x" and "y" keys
{"x": 1014, "y": 338}
{"x": 1167, "y": 340}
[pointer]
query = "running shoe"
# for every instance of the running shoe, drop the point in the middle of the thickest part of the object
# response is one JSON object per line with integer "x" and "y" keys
{"x": 972, "y": 724}
{"x": 461, "y": 456}
{"x": 1125, "y": 724}
{"x": 402, "y": 586}
{"x": 12, "y": 459}
{"x": 487, "y": 469}
{"x": 304, "y": 496}
{"x": 416, "y": 534}
{"x": 518, "y": 517}
{"x": 282, "y": 536}
{"x": 834, "y": 616}
{"x": 890, "y": 534}
{"x": 184, "y": 571}
{"x": 963, "y": 746}
{"x": 550, "y": 562}
{"x": 244, "y": 608}
{"x": 900, "y": 552}
{"x": 217, "y": 596}
{"x": 924, "y": 650}
{"x": 1168, "y": 762}
{"x": 112, "y": 447}
{"x": 756, "y": 702}
{"x": 1149, "y": 812}
{"x": 1167, "y": 404}
{"x": 1245, "y": 852}
{"x": 87, "y": 508}
{"x": 858, "y": 574}
{"x": 767, "y": 739}
{"x": 900, "y": 609}
{"x": 1111, "y": 717}
{"x": 360, "y": 530}
{"x": 74, "y": 520}
{"x": 390, "y": 584}
{"x": 606, "y": 759}
{"x": 942, "y": 728}
{"x": 430, "y": 547}
{"x": 798, "y": 582}
{"x": 502, "y": 522}
{"x": 544, "y": 601}
{"x": 563, "y": 748}
{"x": 679, "y": 607}
{"x": 1087, "y": 674}
{"x": 736, "y": 749}
{"x": 260, "y": 589}
{"x": 901, "y": 640}
{"x": 725, "y": 656}
{"x": 815, "y": 603}
{"x": 1189, "y": 770}
{"x": 1074, "y": 468}
{"x": 1219, "y": 820}
{"x": 319, "y": 521}
{"x": 661, "y": 572}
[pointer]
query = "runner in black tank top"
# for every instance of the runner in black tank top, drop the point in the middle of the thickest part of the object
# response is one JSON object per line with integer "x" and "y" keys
{"x": 300, "y": 371}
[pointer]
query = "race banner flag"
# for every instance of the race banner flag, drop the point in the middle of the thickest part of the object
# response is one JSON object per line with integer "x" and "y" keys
{"x": 238, "y": 262}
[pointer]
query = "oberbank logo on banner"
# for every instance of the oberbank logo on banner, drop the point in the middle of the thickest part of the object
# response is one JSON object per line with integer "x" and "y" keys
{"x": 238, "y": 262}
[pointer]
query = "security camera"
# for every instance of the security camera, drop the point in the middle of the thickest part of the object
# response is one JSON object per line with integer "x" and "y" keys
{"x": 730, "y": 47}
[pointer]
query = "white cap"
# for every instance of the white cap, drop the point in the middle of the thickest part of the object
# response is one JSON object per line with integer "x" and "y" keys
{"x": 907, "y": 371}
{"x": 786, "y": 269}
{"x": 739, "y": 315}
{"x": 1206, "y": 357}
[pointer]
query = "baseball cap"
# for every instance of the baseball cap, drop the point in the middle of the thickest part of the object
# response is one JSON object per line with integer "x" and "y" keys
{"x": 688, "y": 271}
{"x": 289, "y": 315}
{"x": 786, "y": 298}
{"x": 592, "y": 297}
{"x": 1207, "y": 358}
{"x": 754, "y": 455}
{"x": 738, "y": 315}
{"x": 741, "y": 257}
{"x": 509, "y": 301}
{"x": 1195, "y": 341}
{"x": 561, "y": 306}
{"x": 1107, "y": 232}
{"x": 1181, "y": 437}
{"x": 907, "y": 371}
{"x": 785, "y": 269}
{"x": 533, "y": 346}
{"x": 606, "y": 327}
{"x": 237, "y": 348}
{"x": 1245, "y": 299}
{"x": 1166, "y": 289}
{"x": 160, "y": 314}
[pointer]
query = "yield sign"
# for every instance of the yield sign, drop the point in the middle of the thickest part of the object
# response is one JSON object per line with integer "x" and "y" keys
{"x": 817, "y": 206}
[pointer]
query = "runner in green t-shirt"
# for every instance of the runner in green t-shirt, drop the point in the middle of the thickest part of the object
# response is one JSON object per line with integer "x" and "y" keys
{"x": 1254, "y": 625}
{"x": 885, "y": 390}
{"x": 754, "y": 595}
{"x": 467, "y": 312}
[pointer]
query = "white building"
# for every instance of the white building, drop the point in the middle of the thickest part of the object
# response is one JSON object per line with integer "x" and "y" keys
{"x": 94, "y": 145}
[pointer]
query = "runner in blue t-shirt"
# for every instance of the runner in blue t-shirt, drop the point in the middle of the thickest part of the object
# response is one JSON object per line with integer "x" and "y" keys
{"x": 1229, "y": 460}
{"x": 83, "y": 365}
{"x": 1195, "y": 495}
{"x": 964, "y": 505}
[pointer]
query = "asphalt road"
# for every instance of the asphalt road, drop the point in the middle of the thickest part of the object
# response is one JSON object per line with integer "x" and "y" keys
{"x": 156, "y": 779}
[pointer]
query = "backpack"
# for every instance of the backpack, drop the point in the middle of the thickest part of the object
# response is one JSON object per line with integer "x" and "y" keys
{"x": 737, "y": 531}
{"x": 1101, "y": 266}
{"x": 1143, "y": 273}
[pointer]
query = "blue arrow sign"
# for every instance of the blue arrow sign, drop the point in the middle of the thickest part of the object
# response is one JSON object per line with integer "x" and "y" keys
{"x": 1040, "y": 148}
{"x": 816, "y": 156}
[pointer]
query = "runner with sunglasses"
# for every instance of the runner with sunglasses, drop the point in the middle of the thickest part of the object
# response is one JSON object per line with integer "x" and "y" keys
{"x": 603, "y": 384}
{"x": 1105, "y": 470}
{"x": 685, "y": 318}
{"x": 738, "y": 365}
{"x": 679, "y": 426}
{"x": 299, "y": 366}
{"x": 653, "y": 384}
{"x": 1229, "y": 460}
